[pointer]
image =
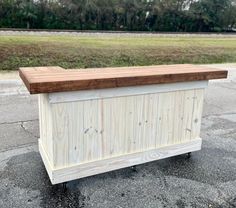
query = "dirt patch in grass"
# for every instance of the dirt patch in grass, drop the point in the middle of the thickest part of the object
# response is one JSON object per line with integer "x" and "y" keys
{"x": 75, "y": 52}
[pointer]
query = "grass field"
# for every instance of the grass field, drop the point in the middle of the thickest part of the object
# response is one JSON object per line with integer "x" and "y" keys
{"x": 103, "y": 51}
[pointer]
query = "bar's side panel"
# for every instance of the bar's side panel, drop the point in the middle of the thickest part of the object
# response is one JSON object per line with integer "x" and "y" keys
{"x": 91, "y": 130}
{"x": 45, "y": 123}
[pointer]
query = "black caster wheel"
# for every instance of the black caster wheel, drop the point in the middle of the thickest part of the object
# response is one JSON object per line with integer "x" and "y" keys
{"x": 188, "y": 155}
{"x": 133, "y": 168}
{"x": 64, "y": 186}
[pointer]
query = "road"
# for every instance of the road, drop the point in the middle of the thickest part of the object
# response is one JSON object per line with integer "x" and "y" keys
{"x": 207, "y": 179}
{"x": 22, "y": 32}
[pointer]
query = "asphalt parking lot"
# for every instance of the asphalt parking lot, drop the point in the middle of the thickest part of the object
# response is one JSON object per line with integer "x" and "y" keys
{"x": 207, "y": 179}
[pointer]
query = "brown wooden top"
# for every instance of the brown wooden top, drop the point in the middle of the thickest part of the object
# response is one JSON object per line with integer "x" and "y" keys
{"x": 56, "y": 79}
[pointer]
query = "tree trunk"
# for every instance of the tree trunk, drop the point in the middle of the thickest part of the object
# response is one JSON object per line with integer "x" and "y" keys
{"x": 81, "y": 24}
{"x": 28, "y": 24}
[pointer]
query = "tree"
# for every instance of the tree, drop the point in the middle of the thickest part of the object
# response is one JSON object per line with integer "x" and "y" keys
{"x": 209, "y": 14}
{"x": 28, "y": 10}
{"x": 229, "y": 17}
{"x": 132, "y": 15}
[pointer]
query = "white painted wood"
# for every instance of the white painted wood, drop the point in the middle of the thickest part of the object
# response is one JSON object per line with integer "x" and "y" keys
{"x": 79, "y": 132}
{"x": 46, "y": 160}
{"x": 45, "y": 124}
{"x": 61, "y": 134}
{"x": 187, "y": 116}
{"x": 178, "y": 116}
{"x": 68, "y": 173}
{"x": 197, "y": 112}
{"x": 85, "y": 131}
{"x": 76, "y": 133}
{"x": 73, "y": 96}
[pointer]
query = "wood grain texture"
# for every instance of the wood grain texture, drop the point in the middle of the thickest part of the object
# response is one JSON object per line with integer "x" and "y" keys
{"x": 97, "y": 129}
{"x": 45, "y": 124}
{"x": 67, "y": 173}
{"x": 54, "y": 79}
{"x": 46, "y": 160}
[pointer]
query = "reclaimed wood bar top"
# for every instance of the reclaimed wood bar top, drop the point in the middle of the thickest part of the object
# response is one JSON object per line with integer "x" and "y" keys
{"x": 57, "y": 79}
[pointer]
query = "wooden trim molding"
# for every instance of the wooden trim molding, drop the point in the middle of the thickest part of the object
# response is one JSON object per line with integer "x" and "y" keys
{"x": 68, "y": 173}
{"x": 62, "y": 97}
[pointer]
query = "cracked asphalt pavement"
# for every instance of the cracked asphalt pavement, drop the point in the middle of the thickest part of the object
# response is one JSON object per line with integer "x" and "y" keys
{"x": 207, "y": 179}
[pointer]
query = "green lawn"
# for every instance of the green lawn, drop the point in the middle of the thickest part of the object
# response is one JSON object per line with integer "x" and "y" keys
{"x": 107, "y": 50}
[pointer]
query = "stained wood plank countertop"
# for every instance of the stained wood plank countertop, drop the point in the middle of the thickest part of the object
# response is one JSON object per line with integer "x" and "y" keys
{"x": 56, "y": 79}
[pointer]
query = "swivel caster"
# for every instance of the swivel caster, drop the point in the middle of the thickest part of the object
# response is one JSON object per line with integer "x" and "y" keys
{"x": 188, "y": 155}
{"x": 133, "y": 168}
{"x": 64, "y": 187}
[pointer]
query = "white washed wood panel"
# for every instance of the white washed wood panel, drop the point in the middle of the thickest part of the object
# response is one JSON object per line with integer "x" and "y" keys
{"x": 123, "y": 91}
{"x": 197, "y": 112}
{"x": 92, "y": 140}
{"x": 76, "y": 133}
{"x": 178, "y": 117}
{"x": 96, "y": 129}
{"x": 45, "y": 123}
{"x": 87, "y": 169}
{"x": 61, "y": 133}
{"x": 187, "y": 116}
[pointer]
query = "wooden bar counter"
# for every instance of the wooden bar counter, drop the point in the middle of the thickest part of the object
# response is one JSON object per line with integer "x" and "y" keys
{"x": 98, "y": 120}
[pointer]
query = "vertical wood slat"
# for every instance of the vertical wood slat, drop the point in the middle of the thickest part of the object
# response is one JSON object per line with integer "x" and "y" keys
{"x": 197, "y": 112}
{"x": 84, "y": 131}
{"x": 61, "y": 134}
{"x": 92, "y": 130}
{"x": 45, "y": 123}
{"x": 75, "y": 143}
